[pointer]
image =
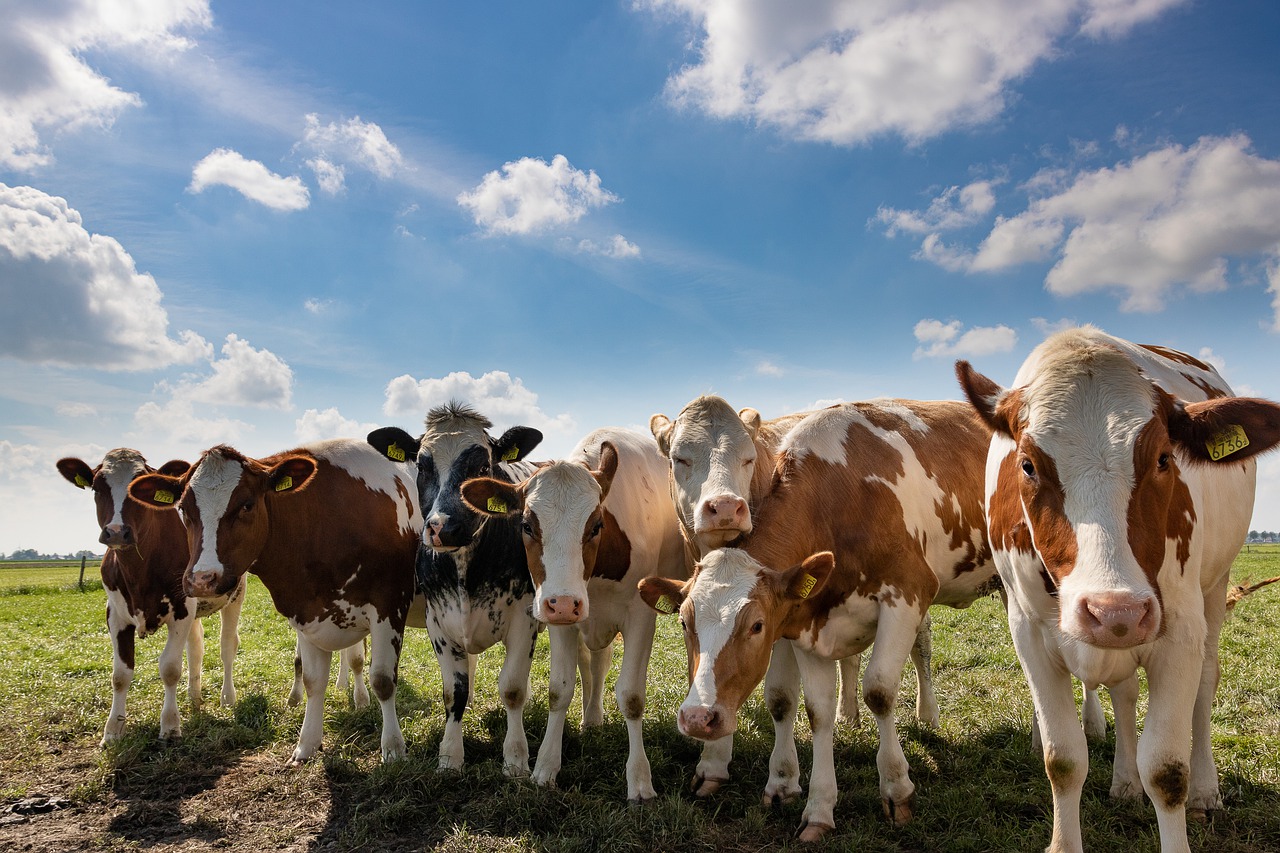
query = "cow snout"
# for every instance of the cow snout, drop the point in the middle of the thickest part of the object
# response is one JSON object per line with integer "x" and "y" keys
{"x": 202, "y": 584}
{"x": 705, "y": 723}
{"x": 117, "y": 536}
{"x": 725, "y": 512}
{"x": 563, "y": 610}
{"x": 1118, "y": 619}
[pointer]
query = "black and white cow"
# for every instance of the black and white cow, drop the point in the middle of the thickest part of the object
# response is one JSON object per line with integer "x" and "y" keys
{"x": 471, "y": 567}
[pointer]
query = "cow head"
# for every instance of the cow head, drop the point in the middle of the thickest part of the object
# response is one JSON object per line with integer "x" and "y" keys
{"x": 732, "y": 610}
{"x": 562, "y": 520}
{"x": 118, "y": 517}
{"x": 712, "y": 452}
{"x": 226, "y": 500}
{"x": 1088, "y": 471}
{"x": 455, "y": 447}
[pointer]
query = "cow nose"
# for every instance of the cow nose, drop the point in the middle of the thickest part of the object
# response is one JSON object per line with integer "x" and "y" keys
{"x": 1118, "y": 619}
{"x": 202, "y": 584}
{"x": 117, "y": 536}
{"x": 563, "y": 610}
{"x": 726, "y": 511}
{"x": 702, "y": 722}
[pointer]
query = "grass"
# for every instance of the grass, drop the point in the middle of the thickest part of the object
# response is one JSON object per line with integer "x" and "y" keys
{"x": 224, "y": 784}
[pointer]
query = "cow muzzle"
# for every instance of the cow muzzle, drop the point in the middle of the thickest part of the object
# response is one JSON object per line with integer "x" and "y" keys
{"x": 706, "y": 722}
{"x": 562, "y": 610}
{"x": 203, "y": 584}
{"x": 118, "y": 536}
{"x": 1116, "y": 620}
{"x": 724, "y": 513}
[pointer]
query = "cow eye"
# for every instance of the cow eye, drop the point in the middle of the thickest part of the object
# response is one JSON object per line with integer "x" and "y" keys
{"x": 1163, "y": 462}
{"x": 527, "y": 528}
{"x": 595, "y": 531}
{"x": 682, "y": 462}
{"x": 1028, "y": 468}
{"x": 246, "y": 506}
{"x": 747, "y": 463}
{"x": 758, "y": 627}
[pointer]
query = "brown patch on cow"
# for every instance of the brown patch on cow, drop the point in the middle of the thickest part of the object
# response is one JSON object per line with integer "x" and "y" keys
{"x": 780, "y": 704}
{"x": 1004, "y": 512}
{"x": 513, "y": 698}
{"x": 1171, "y": 782}
{"x": 1059, "y": 770}
{"x": 124, "y": 649}
{"x": 1160, "y": 507}
{"x": 633, "y": 708}
{"x": 1176, "y": 355}
{"x": 613, "y": 559}
{"x": 878, "y": 702}
{"x": 382, "y": 685}
{"x": 533, "y": 550}
{"x": 1044, "y": 498}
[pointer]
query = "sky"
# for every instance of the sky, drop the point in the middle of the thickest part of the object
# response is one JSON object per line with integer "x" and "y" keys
{"x": 263, "y": 224}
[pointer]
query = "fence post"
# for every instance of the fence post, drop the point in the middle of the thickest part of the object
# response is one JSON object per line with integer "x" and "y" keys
{"x": 82, "y": 562}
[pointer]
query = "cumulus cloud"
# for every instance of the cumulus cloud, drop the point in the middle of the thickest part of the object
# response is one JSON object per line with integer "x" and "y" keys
{"x": 75, "y": 298}
{"x": 530, "y": 196}
{"x": 176, "y": 420}
{"x": 497, "y": 395}
{"x": 352, "y": 141}
{"x": 251, "y": 179}
{"x": 47, "y": 85}
{"x": 316, "y": 425}
{"x": 938, "y": 339}
{"x": 618, "y": 247}
{"x": 845, "y": 71}
{"x": 956, "y": 207}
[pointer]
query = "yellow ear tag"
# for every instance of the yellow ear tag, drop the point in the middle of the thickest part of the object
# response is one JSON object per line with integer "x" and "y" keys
{"x": 81, "y": 481}
{"x": 285, "y": 484}
{"x": 395, "y": 453}
{"x": 807, "y": 583}
{"x": 496, "y": 505}
{"x": 163, "y": 497}
{"x": 511, "y": 455}
{"x": 1228, "y": 441}
{"x": 664, "y": 605}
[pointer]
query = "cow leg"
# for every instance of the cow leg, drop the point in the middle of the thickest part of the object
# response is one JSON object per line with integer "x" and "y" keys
{"x": 895, "y": 634}
{"x": 195, "y": 663}
{"x": 1164, "y": 749}
{"x": 1204, "y": 794}
{"x": 1126, "y": 781}
{"x": 351, "y": 665}
{"x": 513, "y": 687}
{"x": 565, "y": 645}
{"x": 819, "y": 678}
{"x": 316, "y": 663}
{"x": 922, "y": 659}
{"x": 593, "y": 705}
{"x": 297, "y": 694}
{"x": 782, "y": 697}
{"x": 386, "y": 639}
{"x": 455, "y": 682}
{"x": 847, "y": 709}
{"x": 229, "y": 645}
{"x": 713, "y": 766}
{"x": 637, "y": 647}
{"x": 171, "y": 673}
{"x": 122, "y": 633}
{"x": 1095, "y": 721}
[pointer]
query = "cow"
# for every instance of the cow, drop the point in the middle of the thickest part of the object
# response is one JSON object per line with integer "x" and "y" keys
{"x": 594, "y": 524}
{"x": 142, "y": 575}
{"x": 331, "y": 529}
{"x": 471, "y": 567}
{"x": 1119, "y": 487}
{"x": 873, "y": 515}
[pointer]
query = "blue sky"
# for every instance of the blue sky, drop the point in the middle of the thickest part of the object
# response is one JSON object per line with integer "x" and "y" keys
{"x": 267, "y": 223}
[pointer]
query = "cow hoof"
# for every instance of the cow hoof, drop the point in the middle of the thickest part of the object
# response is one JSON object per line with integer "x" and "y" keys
{"x": 777, "y": 793}
{"x": 1126, "y": 791}
{"x": 228, "y": 700}
{"x": 515, "y": 771}
{"x": 295, "y": 698}
{"x": 299, "y": 758}
{"x": 899, "y": 814}
{"x": 642, "y": 797}
{"x": 172, "y": 734}
{"x": 449, "y": 764}
{"x": 705, "y": 786}
{"x": 1197, "y": 815}
{"x": 811, "y": 832}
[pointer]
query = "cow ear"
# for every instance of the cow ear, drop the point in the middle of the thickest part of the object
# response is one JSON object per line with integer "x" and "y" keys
{"x": 664, "y": 595}
{"x": 608, "y": 468}
{"x": 1228, "y": 429}
{"x": 174, "y": 468}
{"x": 488, "y": 496}
{"x": 394, "y": 443}
{"x": 157, "y": 491}
{"x": 661, "y": 426}
{"x": 516, "y": 443}
{"x": 989, "y": 400}
{"x": 291, "y": 475}
{"x": 77, "y": 472}
{"x": 751, "y": 420}
{"x": 807, "y": 579}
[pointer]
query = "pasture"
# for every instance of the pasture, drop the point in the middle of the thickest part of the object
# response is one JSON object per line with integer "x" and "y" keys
{"x": 224, "y": 785}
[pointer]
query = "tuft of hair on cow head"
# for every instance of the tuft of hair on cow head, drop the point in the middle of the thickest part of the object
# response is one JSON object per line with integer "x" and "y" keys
{"x": 664, "y": 595}
{"x": 394, "y": 443}
{"x": 158, "y": 491}
{"x": 1225, "y": 429}
{"x": 291, "y": 475}
{"x": 76, "y": 471}
{"x": 515, "y": 444}
{"x": 488, "y": 496}
{"x": 661, "y": 426}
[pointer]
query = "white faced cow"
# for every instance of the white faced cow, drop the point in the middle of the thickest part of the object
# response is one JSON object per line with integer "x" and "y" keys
{"x": 594, "y": 525}
{"x": 331, "y": 529}
{"x": 1119, "y": 489}
{"x": 472, "y": 567}
{"x": 873, "y": 515}
{"x": 142, "y": 574}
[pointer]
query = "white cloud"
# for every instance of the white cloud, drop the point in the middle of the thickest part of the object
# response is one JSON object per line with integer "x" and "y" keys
{"x": 497, "y": 395}
{"x": 1049, "y": 327}
{"x": 845, "y": 71}
{"x": 765, "y": 367}
{"x": 956, "y": 207}
{"x": 1273, "y": 287}
{"x": 70, "y": 297}
{"x": 317, "y": 306}
{"x": 176, "y": 421}
{"x": 316, "y": 425}
{"x": 251, "y": 179}
{"x": 331, "y": 177}
{"x": 353, "y": 141}
{"x": 244, "y": 376}
{"x": 531, "y": 196}
{"x": 47, "y": 86}
{"x": 618, "y": 248}
{"x": 940, "y": 339}
{"x": 76, "y": 410}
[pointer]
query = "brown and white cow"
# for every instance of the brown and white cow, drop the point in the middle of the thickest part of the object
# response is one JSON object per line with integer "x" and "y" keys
{"x": 331, "y": 529}
{"x": 594, "y": 525}
{"x": 142, "y": 574}
{"x": 873, "y": 515}
{"x": 1119, "y": 489}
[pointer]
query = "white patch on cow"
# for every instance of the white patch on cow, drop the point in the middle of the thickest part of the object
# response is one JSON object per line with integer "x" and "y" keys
{"x": 722, "y": 587}
{"x": 118, "y": 469}
{"x": 215, "y": 478}
{"x": 337, "y": 633}
{"x": 397, "y": 480}
{"x": 824, "y": 433}
{"x": 710, "y": 447}
{"x": 562, "y": 496}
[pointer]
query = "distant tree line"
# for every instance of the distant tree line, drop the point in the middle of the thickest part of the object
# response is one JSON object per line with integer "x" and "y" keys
{"x": 1256, "y": 536}
{"x": 27, "y": 555}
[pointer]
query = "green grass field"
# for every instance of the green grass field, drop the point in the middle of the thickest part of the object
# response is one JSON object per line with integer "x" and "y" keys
{"x": 225, "y": 786}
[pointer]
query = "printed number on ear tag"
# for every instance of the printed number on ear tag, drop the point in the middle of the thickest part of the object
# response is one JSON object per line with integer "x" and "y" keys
{"x": 807, "y": 583}
{"x": 285, "y": 484}
{"x": 163, "y": 497}
{"x": 395, "y": 453}
{"x": 664, "y": 605}
{"x": 1227, "y": 442}
{"x": 511, "y": 455}
{"x": 496, "y": 505}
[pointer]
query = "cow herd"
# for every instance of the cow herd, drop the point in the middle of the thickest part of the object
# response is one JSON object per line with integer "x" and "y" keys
{"x": 1103, "y": 495}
